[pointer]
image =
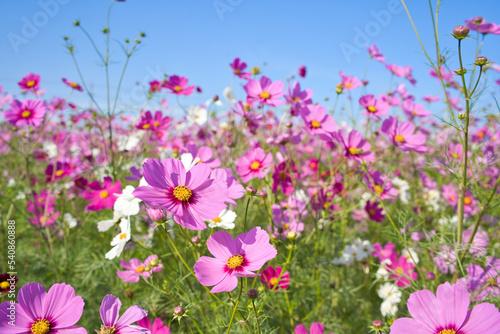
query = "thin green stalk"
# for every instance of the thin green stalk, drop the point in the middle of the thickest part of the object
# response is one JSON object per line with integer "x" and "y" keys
{"x": 246, "y": 213}
{"x": 256, "y": 316}
{"x": 235, "y": 305}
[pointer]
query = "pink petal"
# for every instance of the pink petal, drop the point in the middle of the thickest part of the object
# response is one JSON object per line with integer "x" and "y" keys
{"x": 481, "y": 319}
{"x": 256, "y": 248}
{"x": 221, "y": 245}
{"x": 110, "y": 310}
{"x": 210, "y": 271}
{"x": 300, "y": 329}
{"x": 62, "y": 307}
{"x": 426, "y": 309}
{"x": 317, "y": 328}
{"x": 228, "y": 284}
{"x": 454, "y": 301}
{"x": 133, "y": 314}
{"x": 30, "y": 298}
{"x": 410, "y": 326}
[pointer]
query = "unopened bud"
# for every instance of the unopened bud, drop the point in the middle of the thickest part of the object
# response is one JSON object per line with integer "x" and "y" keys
{"x": 378, "y": 324}
{"x": 147, "y": 268}
{"x": 216, "y": 98}
{"x": 76, "y": 23}
{"x": 255, "y": 70}
{"x": 481, "y": 61}
{"x": 339, "y": 88}
{"x": 156, "y": 214}
{"x": 105, "y": 30}
{"x": 430, "y": 275}
{"x": 154, "y": 262}
{"x": 128, "y": 293}
{"x": 461, "y": 32}
{"x": 291, "y": 235}
{"x": 289, "y": 124}
{"x": 460, "y": 71}
{"x": 252, "y": 293}
{"x": 251, "y": 190}
{"x": 178, "y": 310}
{"x": 195, "y": 239}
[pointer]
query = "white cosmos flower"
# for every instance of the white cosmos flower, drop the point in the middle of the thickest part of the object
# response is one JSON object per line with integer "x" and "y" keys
{"x": 352, "y": 252}
{"x": 188, "y": 162}
{"x": 229, "y": 95}
{"x": 388, "y": 309}
{"x": 225, "y": 220}
{"x": 125, "y": 206}
{"x": 390, "y": 292}
{"x": 69, "y": 220}
{"x": 197, "y": 115}
{"x": 120, "y": 240}
{"x": 127, "y": 143}
{"x": 408, "y": 257}
{"x": 50, "y": 148}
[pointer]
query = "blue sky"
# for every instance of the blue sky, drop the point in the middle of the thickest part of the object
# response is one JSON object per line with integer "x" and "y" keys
{"x": 198, "y": 39}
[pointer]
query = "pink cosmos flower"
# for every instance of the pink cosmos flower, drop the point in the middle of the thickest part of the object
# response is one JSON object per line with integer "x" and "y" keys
{"x": 147, "y": 122}
{"x": 298, "y": 99}
{"x": 373, "y": 106}
{"x": 233, "y": 258}
{"x": 317, "y": 121}
{"x": 447, "y": 312}
{"x": 383, "y": 253}
{"x": 480, "y": 241}
{"x": 156, "y": 328}
{"x": 285, "y": 221}
{"x": 27, "y": 112}
{"x": 62, "y": 169}
{"x": 481, "y": 134}
{"x": 191, "y": 196}
{"x": 302, "y": 71}
{"x": 282, "y": 178}
{"x": 404, "y": 136}
{"x": 271, "y": 277}
{"x": 177, "y": 85}
{"x": 136, "y": 269}
{"x": 355, "y": 147}
{"x": 113, "y": 323}
{"x": 72, "y": 84}
{"x": 154, "y": 86}
{"x": 265, "y": 91}
{"x": 38, "y": 311}
{"x": 204, "y": 154}
{"x": 349, "y": 82}
{"x": 480, "y": 282}
{"x": 375, "y": 212}
{"x": 102, "y": 196}
{"x": 428, "y": 98}
{"x": 479, "y": 24}
{"x": 316, "y": 328}
{"x": 234, "y": 189}
{"x": 30, "y": 82}
{"x": 238, "y": 68}
{"x": 414, "y": 110}
{"x": 401, "y": 71}
{"x": 375, "y": 53}
{"x": 381, "y": 185}
{"x": 254, "y": 164}
{"x": 448, "y": 76}
{"x": 401, "y": 270}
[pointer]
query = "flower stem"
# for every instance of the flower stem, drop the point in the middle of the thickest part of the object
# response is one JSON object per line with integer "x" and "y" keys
{"x": 235, "y": 305}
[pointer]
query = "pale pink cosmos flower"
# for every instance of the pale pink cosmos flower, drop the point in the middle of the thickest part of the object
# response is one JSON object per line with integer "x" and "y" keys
{"x": 350, "y": 82}
{"x": 191, "y": 196}
{"x": 113, "y": 323}
{"x": 375, "y": 53}
{"x": 413, "y": 109}
{"x": 135, "y": 269}
{"x": 447, "y": 312}
{"x": 265, "y": 91}
{"x": 381, "y": 185}
{"x": 233, "y": 258}
{"x": 203, "y": 154}
{"x": 317, "y": 121}
{"x": 374, "y": 106}
{"x": 38, "y": 311}
{"x": 27, "y": 112}
{"x": 30, "y": 82}
{"x": 402, "y": 71}
{"x": 403, "y": 135}
{"x": 254, "y": 164}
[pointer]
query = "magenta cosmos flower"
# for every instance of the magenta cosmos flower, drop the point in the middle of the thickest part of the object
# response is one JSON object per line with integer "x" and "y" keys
{"x": 27, "y": 112}
{"x": 177, "y": 85}
{"x": 265, "y": 91}
{"x": 72, "y": 84}
{"x": 404, "y": 136}
{"x": 41, "y": 312}
{"x": 317, "y": 121}
{"x": 157, "y": 327}
{"x": 136, "y": 269}
{"x": 270, "y": 277}
{"x": 349, "y": 82}
{"x": 233, "y": 258}
{"x": 316, "y": 328}
{"x": 255, "y": 163}
{"x": 113, "y": 323}
{"x": 375, "y": 53}
{"x": 30, "y": 82}
{"x": 447, "y": 312}
{"x": 102, "y": 197}
{"x": 238, "y": 68}
{"x": 374, "y": 106}
{"x": 191, "y": 196}
{"x": 355, "y": 147}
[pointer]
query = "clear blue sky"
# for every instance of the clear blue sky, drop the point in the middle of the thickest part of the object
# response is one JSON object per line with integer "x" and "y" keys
{"x": 198, "y": 39}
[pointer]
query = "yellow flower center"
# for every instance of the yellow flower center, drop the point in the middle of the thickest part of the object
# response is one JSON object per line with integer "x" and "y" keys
{"x": 286, "y": 226}
{"x": 353, "y": 150}
{"x": 182, "y": 193}
{"x": 73, "y": 84}
{"x": 103, "y": 194}
{"x": 274, "y": 281}
{"x": 454, "y": 155}
{"x": 43, "y": 219}
{"x": 157, "y": 124}
{"x": 41, "y": 200}
{"x": 4, "y": 285}
{"x": 447, "y": 331}
{"x": 139, "y": 269}
{"x": 237, "y": 71}
{"x": 246, "y": 107}
{"x": 371, "y": 211}
{"x": 265, "y": 95}
{"x": 282, "y": 175}
{"x": 255, "y": 165}
{"x": 315, "y": 124}
{"x": 26, "y": 114}
{"x": 399, "y": 139}
{"x": 123, "y": 236}
{"x": 295, "y": 99}
{"x": 177, "y": 88}
{"x": 217, "y": 220}
{"x": 146, "y": 126}
{"x": 467, "y": 200}
{"x": 106, "y": 330}
{"x": 41, "y": 326}
{"x": 235, "y": 261}
{"x": 326, "y": 205}
{"x": 378, "y": 189}
{"x": 489, "y": 281}
{"x": 59, "y": 172}
{"x": 348, "y": 84}
{"x": 371, "y": 109}
{"x": 30, "y": 83}
{"x": 481, "y": 134}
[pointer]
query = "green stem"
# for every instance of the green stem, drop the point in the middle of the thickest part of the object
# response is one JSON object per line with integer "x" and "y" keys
{"x": 235, "y": 305}
{"x": 256, "y": 316}
{"x": 246, "y": 213}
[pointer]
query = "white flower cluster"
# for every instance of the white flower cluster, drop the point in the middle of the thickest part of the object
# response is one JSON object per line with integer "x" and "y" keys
{"x": 391, "y": 296}
{"x": 359, "y": 250}
{"x": 403, "y": 187}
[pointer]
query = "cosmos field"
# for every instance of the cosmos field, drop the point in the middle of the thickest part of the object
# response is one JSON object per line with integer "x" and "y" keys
{"x": 265, "y": 209}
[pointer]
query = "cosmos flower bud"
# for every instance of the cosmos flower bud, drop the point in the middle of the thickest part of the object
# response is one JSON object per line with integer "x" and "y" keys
{"x": 252, "y": 293}
{"x": 195, "y": 239}
{"x": 147, "y": 268}
{"x": 156, "y": 214}
{"x": 460, "y": 71}
{"x": 291, "y": 235}
{"x": 481, "y": 61}
{"x": 154, "y": 262}
{"x": 430, "y": 275}
{"x": 105, "y": 30}
{"x": 378, "y": 324}
{"x": 461, "y": 32}
{"x": 178, "y": 310}
{"x": 76, "y": 23}
{"x": 128, "y": 293}
{"x": 216, "y": 98}
{"x": 251, "y": 190}
{"x": 255, "y": 70}
{"x": 289, "y": 124}
{"x": 339, "y": 88}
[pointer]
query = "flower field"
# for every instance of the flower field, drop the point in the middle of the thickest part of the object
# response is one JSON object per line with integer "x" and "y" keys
{"x": 264, "y": 210}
